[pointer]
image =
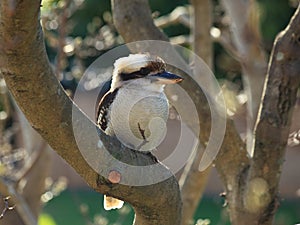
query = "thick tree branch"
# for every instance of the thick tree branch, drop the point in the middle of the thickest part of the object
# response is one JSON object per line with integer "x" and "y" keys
{"x": 202, "y": 43}
{"x": 25, "y": 67}
{"x": 253, "y": 198}
{"x": 273, "y": 124}
{"x": 128, "y": 25}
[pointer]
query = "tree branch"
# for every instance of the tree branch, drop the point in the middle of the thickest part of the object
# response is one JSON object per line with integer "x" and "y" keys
{"x": 273, "y": 124}
{"x": 178, "y": 15}
{"x": 252, "y": 194}
{"x": 25, "y": 67}
{"x": 136, "y": 29}
{"x": 194, "y": 181}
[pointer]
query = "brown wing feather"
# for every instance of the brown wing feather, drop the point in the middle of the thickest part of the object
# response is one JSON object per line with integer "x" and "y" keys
{"x": 103, "y": 108}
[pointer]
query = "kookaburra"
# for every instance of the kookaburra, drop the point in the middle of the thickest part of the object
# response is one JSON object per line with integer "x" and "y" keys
{"x": 136, "y": 109}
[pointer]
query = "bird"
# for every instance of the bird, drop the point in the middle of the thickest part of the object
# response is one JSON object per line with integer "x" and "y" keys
{"x": 135, "y": 109}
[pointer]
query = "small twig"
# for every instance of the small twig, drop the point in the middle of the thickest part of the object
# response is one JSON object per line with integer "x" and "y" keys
{"x": 6, "y": 206}
{"x": 179, "y": 15}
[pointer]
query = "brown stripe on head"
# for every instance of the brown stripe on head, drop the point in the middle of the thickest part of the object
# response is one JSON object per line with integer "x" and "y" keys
{"x": 156, "y": 64}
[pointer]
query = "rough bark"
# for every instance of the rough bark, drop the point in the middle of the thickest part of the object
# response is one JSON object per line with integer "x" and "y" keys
{"x": 273, "y": 124}
{"x": 254, "y": 199}
{"x": 127, "y": 25}
{"x": 27, "y": 72}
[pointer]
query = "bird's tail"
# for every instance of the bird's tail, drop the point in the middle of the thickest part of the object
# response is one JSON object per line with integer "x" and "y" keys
{"x": 112, "y": 203}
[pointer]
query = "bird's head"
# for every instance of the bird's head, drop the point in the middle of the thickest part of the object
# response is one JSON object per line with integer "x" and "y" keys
{"x": 142, "y": 70}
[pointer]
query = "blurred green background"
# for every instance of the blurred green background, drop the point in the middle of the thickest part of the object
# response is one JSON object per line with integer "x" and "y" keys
{"x": 84, "y": 207}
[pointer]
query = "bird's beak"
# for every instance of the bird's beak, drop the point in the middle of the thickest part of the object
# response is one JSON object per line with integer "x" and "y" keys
{"x": 166, "y": 78}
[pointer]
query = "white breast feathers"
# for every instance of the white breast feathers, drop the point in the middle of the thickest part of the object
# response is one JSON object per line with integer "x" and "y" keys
{"x": 138, "y": 118}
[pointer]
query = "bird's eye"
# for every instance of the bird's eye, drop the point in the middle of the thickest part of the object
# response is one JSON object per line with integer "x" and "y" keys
{"x": 145, "y": 71}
